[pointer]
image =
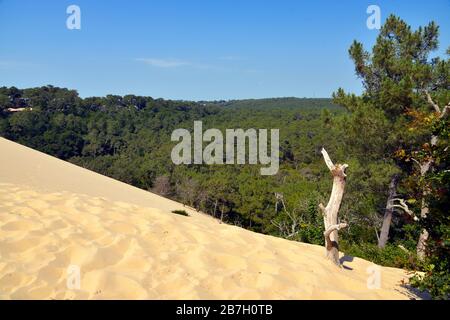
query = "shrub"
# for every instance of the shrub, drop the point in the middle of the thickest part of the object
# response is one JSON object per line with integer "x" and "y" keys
{"x": 390, "y": 256}
{"x": 436, "y": 280}
{"x": 181, "y": 212}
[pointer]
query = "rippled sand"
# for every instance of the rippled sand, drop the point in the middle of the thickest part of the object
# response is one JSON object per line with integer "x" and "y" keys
{"x": 127, "y": 244}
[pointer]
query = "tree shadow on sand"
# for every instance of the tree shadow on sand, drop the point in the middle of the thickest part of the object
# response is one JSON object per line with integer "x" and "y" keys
{"x": 346, "y": 258}
{"x": 411, "y": 292}
{"x": 414, "y": 293}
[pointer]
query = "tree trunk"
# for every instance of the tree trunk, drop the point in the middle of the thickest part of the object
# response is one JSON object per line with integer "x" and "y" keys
{"x": 423, "y": 238}
{"x": 330, "y": 212}
{"x": 422, "y": 243}
{"x": 384, "y": 234}
{"x": 221, "y": 212}
{"x": 215, "y": 207}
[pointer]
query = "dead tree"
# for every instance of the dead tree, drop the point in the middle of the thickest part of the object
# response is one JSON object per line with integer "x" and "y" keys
{"x": 384, "y": 234}
{"x": 162, "y": 186}
{"x": 330, "y": 212}
{"x": 290, "y": 227}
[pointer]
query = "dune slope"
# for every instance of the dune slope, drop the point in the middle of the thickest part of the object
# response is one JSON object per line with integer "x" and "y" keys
{"x": 57, "y": 219}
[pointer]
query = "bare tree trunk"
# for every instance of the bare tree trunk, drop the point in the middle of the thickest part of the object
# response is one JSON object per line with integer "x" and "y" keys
{"x": 215, "y": 207}
{"x": 330, "y": 212}
{"x": 221, "y": 212}
{"x": 422, "y": 244}
{"x": 384, "y": 234}
{"x": 423, "y": 238}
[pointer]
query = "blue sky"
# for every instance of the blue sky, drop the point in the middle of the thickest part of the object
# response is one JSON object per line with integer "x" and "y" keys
{"x": 197, "y": 49}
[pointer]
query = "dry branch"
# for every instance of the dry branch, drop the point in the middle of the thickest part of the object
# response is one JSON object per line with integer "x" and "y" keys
{"x": 402, "y": 205}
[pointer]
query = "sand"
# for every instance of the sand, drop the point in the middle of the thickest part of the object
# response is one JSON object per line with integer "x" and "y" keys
{"x": 69, "y": 233}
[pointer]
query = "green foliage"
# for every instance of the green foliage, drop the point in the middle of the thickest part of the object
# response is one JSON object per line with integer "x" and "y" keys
{"x": 390, "y": 256}
{"x": 312, "y": 228}
{"x": 436, "y": 279}
{"x": 437, "y": 264}
{"x": 394, "y": 124}
{"x": 279, "y": 104}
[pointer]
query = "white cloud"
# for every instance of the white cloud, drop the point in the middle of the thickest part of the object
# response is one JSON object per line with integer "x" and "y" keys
{"x": 175, "y": 63}
{"x": 164, "y": 63}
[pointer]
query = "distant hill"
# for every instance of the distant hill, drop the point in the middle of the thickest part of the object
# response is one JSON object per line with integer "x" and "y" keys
{"x": 282, "y": 103}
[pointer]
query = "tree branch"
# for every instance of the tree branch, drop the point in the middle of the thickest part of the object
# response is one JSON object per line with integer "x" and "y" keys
{"x": 415, "y": 161}
{"x": 376, "y": 233}
{"x": 432, "y": 103}
{"x": 403, "y": 248}
{"x": 327, "y": 159}
{"x": 404, "y": 207}
{"x": 445, "y": 111}
{"x": 442, "y": 113}
{"x": 330, "y": 229}
{"x": 322, "y": 208}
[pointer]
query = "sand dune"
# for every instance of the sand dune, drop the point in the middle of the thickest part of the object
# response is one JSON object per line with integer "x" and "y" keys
{"x": 127, "y": 244}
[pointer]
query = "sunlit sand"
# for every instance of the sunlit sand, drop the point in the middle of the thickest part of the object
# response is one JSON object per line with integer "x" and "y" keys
{"x": 128, "y": 245}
